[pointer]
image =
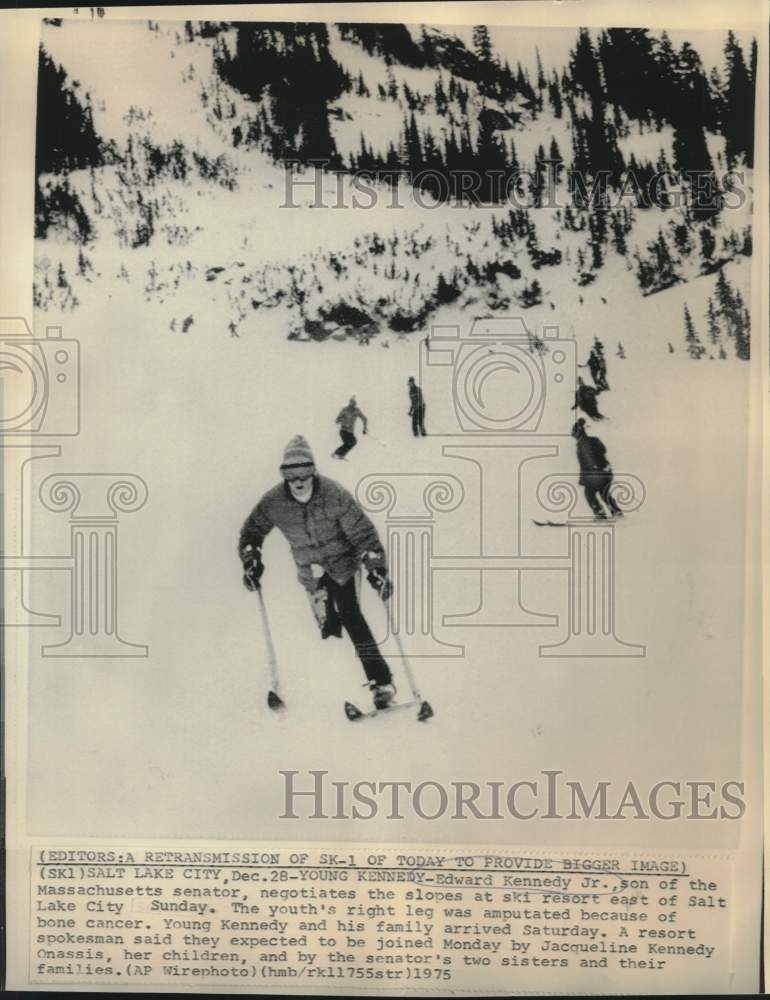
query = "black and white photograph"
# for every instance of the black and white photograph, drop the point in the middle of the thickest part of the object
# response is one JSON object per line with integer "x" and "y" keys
{"x": 382, "y": 447}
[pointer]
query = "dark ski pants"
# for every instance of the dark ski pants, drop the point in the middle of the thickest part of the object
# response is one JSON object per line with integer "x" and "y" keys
{"x": 598, "y": 486}
{"x": 343, "y": 601}
{"x": 348, "y": 441}
{"x": 418, "y": 421}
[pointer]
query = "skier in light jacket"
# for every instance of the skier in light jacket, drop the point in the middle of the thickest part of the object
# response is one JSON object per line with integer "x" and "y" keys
{"x": 330, "y": 536}
{"x": 347, "y": 418}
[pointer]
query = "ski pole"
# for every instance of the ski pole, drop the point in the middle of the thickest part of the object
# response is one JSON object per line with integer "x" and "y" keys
{"x": 426, "y": 711}
{"x": 274, "y": 699}
{"x": 407, "y": 667}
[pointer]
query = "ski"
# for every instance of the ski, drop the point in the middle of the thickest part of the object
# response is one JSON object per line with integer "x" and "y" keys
{"x": 354, "y": 713}
{"x": 564, "y": 524}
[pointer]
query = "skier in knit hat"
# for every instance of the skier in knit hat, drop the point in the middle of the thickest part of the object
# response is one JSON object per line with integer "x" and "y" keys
{"x": 330, "y": 536}
{"x": 347, "y": 418}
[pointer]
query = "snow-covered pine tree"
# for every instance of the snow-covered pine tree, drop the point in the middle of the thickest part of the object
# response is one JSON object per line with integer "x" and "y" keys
{"x": 712, "y": 323}
{"x": 738, "y": 116}
{"x": 695, "y": 348}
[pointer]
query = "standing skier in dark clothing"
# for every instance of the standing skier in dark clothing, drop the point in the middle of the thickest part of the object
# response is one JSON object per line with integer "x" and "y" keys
{"x": 346, "y": 418}
{"x": 597, "y": 364}
{"x": 585, "y": 398}
{"x": 330, "y": 536}
{"x": 595, "y": 472}
{"x": 416, "y": 408}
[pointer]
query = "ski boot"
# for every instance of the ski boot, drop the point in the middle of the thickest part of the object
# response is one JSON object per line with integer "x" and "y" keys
{"x": 383, "y": 695}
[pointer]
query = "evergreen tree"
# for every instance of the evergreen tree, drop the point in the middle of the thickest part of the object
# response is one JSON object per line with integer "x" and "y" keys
{"x": 664, "y": 262}
{"x": 707, "y": 247}
{"x": 557, "y": 163}
{"x": 513, "y": 162}
{"x": 733, "y": 312}
{"x": 277, "y": 61}
{"x": 692, "y": 158}
{"x": 584, "y": 69}
{"x": 738, "y": 115}
{"x": 712, "y": 323}
{"x": 482, "y": 44}
{"x": 742, "y": 331}
{"x": 412, "y": 148}
{"x": 361, "y": 89}
{"x": 554, "y": 96}
{"x": 597, "y": 223}
{"x": 434, "y": 164}
{"x": 462, "y": 98}
{"x": 490, "y": 158}
{"x": 446, "y": 291}
{"x": 691, "y": 100}
{"x": 66, "y": 138}
{"x": 440, "y": 98}
{"x": 629, "y": 69}
{"x": 695, "y": 349}
{"x": 618, "y": 233}
{"x": 539, "y": 178}
{"x": 393, "y": 42}
{"x": 531, "y": 295}
{"x": 724, "y": 294}
{"x": 392, "y": 87}
{"x": 663, "y": 79}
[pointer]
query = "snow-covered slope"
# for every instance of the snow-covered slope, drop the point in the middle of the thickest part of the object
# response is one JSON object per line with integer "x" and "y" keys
{"x": 190, "y": 385}
{"x": 163, "y": 234}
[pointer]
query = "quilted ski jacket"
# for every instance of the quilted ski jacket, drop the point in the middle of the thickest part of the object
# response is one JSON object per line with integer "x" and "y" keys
{"x": 330, "y": 530}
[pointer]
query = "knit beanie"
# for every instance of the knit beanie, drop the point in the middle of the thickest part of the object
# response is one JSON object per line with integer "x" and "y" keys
{"x": 297, "y": 453}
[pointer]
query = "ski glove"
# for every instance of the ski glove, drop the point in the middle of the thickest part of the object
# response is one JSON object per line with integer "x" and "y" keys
{"x": 378, "y": 578}
{"x": 253, "y": 568}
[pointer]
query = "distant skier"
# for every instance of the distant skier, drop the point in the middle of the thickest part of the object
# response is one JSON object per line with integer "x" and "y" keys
{"x": 586, "y": 400}
{"x": 595, "y": 472}
{"x": 597, "y": 364}
{"x": 330, "y": 536}
{"x": 347, "y": 418}
{"x": 416, "y": 408}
